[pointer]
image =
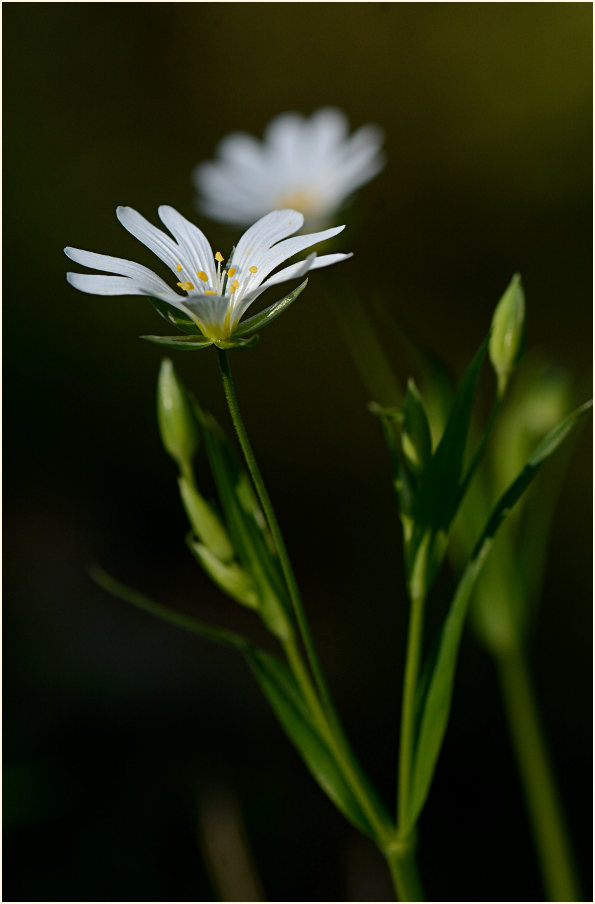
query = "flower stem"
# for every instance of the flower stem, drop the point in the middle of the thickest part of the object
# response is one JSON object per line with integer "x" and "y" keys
{"x": 545, "y": 812}
{"x": 273, "y": 524}
{"x": 403, "y": 869}
{"x": 412, "y": 665}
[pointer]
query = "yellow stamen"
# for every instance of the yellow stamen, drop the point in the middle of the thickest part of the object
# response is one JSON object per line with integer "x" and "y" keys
{"x": 178, "y": 267}
{"x": 219, "y": 257}
{"x": 187, "y": 286}
{"x": 202, "y": 275}
{"x": 231, "y": 271}
{"x": 210, "y": 292}
{"x": 235, "y": 285}
{"x": 253, "y": 269}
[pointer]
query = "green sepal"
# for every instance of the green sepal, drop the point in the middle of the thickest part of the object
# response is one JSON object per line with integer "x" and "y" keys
{"x": 179, "y": 343}
{"x": 174, "y": 317}
{"x": 236, "y": 341}
{"x": 435, "y": 708}
{"x": 292, "y": 711}
{"x": 259, "y": 321}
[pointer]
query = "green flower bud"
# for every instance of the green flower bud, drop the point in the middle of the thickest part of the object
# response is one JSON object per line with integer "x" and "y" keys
{"x": 416, "y": 438}
{"x": 177, "y": 421}
{"x": 508, "y": 328}
{"x": 230, "y": 577}
{"x": 205, "y": 521}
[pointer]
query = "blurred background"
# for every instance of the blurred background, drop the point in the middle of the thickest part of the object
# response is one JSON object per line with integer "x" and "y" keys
{"x": 124, "y": 737}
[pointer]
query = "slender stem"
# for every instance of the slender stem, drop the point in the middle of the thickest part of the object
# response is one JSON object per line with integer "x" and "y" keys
{"x": 545, "y": 812}
{"x": 412, "y": 665}
{"x": 273, "y": 524}
{"x": 405, "y": 875}
{"x": 330, "y": 730}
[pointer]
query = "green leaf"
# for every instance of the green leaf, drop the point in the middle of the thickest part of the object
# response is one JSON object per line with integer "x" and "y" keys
{"x": 180, "y": 343}
{"x": 435, "y": 709}
{"x": 175, "y": 415}
{"x": 259, "y": 321}
{"x": 286, "y": 700}
{"x": 437, "y": 499}
{"x": 129, "y": 595}
{"x": 174, "y": 317}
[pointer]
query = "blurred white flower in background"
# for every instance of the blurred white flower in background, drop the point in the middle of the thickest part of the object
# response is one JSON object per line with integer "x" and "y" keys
{"x": 310, "y": 164}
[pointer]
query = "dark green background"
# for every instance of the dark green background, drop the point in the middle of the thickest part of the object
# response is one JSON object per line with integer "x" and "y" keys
{"x": 116, "y": 724}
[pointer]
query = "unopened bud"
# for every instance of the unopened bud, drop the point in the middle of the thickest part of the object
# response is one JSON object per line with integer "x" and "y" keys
{"x": 508, "y": 327}
{"x": 205, "y": 522}
{"x": 230, "y": 577}
{"x": 177, "y": 421}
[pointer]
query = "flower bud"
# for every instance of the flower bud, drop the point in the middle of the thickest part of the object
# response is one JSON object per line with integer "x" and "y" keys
{"x": 230, "y": 577}
{"x": 205, "y": 522}
{"x": 177, "y": 421}
{"x": 508, "y": 328}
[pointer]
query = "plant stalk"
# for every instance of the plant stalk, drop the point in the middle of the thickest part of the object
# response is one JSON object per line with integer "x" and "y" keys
{"x": 412, "y": 666}
{"x": 545, "y": 812}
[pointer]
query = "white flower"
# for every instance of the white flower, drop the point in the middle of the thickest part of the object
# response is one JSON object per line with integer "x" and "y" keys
{"x": 310, "y": 164}
{"x": 215, "y": 296}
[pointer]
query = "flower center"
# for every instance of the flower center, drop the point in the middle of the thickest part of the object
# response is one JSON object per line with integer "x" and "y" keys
{"x": 306, "y": 201}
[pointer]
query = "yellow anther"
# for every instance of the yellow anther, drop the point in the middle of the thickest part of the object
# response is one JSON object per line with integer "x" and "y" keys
{"x": 178, "y": 267}
{"x": 187, "y": 286}
{"x": 235, "y": 285}
{"x": 219, "y": 257}
{"x": 202, "y": 276}
{"x": 210, "y": 292}
{"x": 231, "y": 271}
{"x": 253, "y": 269}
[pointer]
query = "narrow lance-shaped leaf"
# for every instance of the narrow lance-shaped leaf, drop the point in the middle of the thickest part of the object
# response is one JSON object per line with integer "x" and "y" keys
{"x": 179, "y": 619}
{"x": 438, "y": 496}
{"x": 292, "y": 711}
{"x": 436, "y": 705}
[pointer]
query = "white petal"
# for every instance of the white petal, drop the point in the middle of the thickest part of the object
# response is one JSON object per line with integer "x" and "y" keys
{"x": 328, "y": 127}
{"x": 257, "y": 240}
{"x": 104, "y": 285}
{"x": 156, "y": 240}
{"x": 294, "y": 271}
{"x": 118, "y": 265}
{"x": 283, "y": 135}
{"x": 284, "y": 250}
{"x": 191, "y": 239}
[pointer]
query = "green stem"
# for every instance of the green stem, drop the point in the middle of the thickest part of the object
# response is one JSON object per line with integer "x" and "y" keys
{"x": 545, "y": 812}
{"x": 412, "y": 666}
{"x": 382, "y": 829}
{"x": 403, "y": 869}
{"x": 273, "y": 524}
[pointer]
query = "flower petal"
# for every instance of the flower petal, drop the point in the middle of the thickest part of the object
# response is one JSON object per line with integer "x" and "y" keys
{"x": 142, "y": 275}
{"x": 258, "y": 239}
{"x": 156, "y": 240}
{"x": 191, "y": 239}
{"x": 104, "y": 285}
